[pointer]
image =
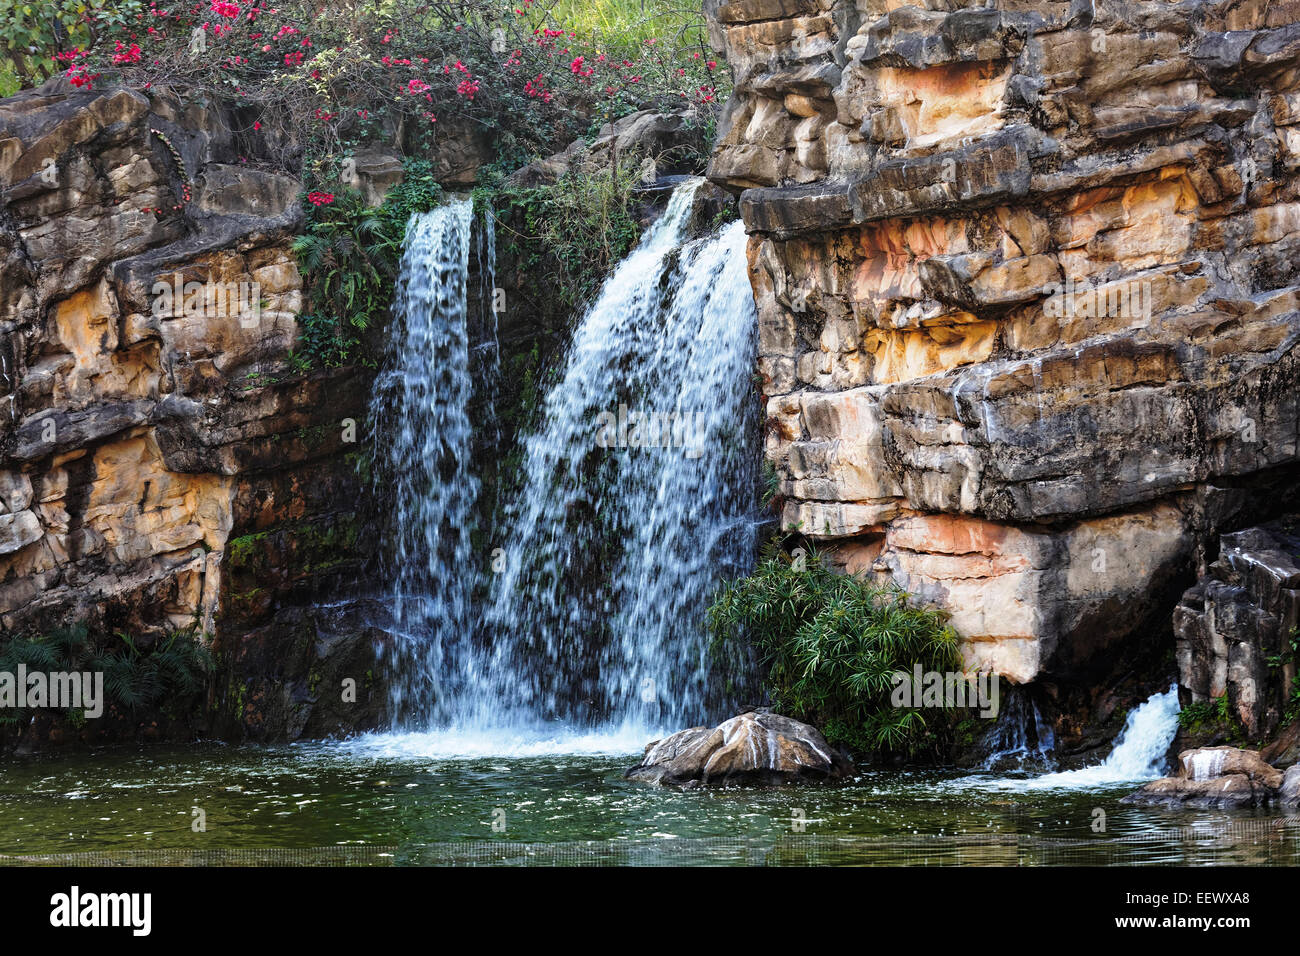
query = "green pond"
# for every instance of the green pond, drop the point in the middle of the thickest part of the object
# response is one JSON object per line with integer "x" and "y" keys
{"x": 381, "y": 801}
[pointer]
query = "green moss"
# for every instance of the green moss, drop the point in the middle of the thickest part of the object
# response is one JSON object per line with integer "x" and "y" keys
{"x": 240, "y": 551}
{"x": 316, "y": 542}
{"x": 363, "y": 462}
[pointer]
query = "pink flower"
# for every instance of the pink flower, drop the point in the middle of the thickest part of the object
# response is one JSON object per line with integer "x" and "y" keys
{"x": 417, "y": 86}
{"x": 320, "y": 199}
{"x": 224, "y": 9}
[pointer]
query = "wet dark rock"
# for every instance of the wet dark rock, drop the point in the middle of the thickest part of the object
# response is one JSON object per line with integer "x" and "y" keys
{"x": 1288, "y": 795}
{"x": 1237, "y": 619}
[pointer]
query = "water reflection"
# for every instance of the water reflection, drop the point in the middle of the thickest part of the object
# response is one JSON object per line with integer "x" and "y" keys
{"x": 319, "y": 805}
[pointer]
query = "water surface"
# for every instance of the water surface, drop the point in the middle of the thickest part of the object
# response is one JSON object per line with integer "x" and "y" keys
{"x": 379, "y": 801}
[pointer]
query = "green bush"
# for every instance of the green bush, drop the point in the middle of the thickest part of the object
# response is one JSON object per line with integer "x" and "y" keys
{"x": 171, "y": 672}
{"x": 573, "y": 231}
{"x": 830, "y": 643}
{"x": 1211, "y": 717}
{"x": 349, "y": 255}
{"x": 33, "y": 31}
{"x": 9, "y": 82}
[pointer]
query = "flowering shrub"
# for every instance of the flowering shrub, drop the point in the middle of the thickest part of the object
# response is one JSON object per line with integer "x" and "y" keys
{"x": 312, "y": 82}
{"x": 317, "y": 80}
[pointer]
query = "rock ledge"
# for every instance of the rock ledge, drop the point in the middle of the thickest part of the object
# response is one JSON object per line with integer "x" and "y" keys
{"x": 1215, "y": 777}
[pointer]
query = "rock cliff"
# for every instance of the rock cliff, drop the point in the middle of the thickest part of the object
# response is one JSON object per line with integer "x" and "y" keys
{"x": 159, "y": 459}
{"x": 1027, "y": 282}
{"x": 1237, "y": 628}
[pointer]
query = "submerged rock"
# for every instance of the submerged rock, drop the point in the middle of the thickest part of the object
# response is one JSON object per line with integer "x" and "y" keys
{"x": 1215, "y": 777}
{"x": 758, "y": 748}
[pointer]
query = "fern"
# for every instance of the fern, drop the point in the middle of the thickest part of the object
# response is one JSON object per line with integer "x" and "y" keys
{"x": 172, "y": 671}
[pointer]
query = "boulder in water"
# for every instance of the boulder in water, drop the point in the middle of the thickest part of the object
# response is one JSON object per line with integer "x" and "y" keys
{"x": 757, "y": 748}
{"x": 1289, "y": 793}
{"x": 1214, "y": 777}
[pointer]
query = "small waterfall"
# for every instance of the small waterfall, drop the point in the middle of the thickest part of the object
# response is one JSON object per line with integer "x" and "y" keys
{"x": 636, "y": 499}
{"x": 423, "y": 460}
{"x": 1140, "y": 749}
{"x": 1021, "y": 738}
{"x": 1205, "y": 764}
{"x": 1138, "y": 754}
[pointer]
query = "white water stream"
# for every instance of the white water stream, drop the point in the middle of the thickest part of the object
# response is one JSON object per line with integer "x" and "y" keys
{"x": 1138, "y": 754}
{"x": 636, "y": 499}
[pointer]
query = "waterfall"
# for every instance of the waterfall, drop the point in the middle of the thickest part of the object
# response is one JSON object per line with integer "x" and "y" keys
{"x": 636, "y": 498}
{"x": 1021, "y": 737}
{"x": 423, "y": 460}
{"x": 1139, "y": 752}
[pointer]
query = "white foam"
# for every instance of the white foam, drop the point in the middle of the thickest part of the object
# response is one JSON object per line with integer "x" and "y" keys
{"x": 469, "y": 743}
{"x": 1139, "y": 754}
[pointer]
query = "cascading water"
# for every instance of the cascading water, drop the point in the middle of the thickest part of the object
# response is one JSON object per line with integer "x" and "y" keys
{"x": 1138, "y": 754}
{"x": 635, "y": 498}
{"x": 1021, "y": 738}
{"x": 424, "y": 459}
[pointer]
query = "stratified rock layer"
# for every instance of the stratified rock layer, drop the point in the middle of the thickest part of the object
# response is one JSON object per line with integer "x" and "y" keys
{"x": 1027, "y": 284}
{"x": 161, "y": 465}
{"x": 759, "y": 748}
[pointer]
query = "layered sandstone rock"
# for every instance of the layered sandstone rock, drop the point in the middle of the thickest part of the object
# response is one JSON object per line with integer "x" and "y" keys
{"x": 1027, "y": 282}
{"x": 1216, "y": 777}
{"x": 152, "y": 446}
{"x": 754, "y": 748}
